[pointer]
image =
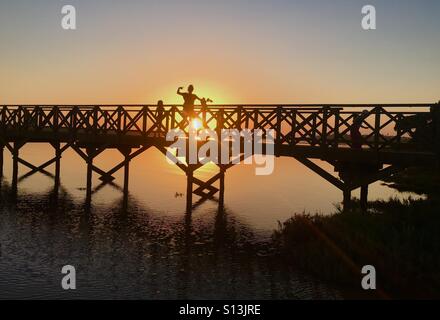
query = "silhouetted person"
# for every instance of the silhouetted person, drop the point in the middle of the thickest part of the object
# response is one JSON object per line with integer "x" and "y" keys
{"x": 356, "y": 136}
{"x": 160, "y": 110}
{"x": 189, "y": 99}
{"x": 204, "y": 103}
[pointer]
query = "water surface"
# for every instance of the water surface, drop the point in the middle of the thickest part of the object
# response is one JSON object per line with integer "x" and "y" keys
{"x": 150, "y": 248}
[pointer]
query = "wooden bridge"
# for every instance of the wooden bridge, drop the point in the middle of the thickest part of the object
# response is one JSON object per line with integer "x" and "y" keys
{"x": 394, "y": 137}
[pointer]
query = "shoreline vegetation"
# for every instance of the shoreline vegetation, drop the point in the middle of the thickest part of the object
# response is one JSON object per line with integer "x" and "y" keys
{"x": 400, "y": 238}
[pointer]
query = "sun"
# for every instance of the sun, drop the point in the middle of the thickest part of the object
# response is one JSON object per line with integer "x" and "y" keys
{"x": 196, "y": 123}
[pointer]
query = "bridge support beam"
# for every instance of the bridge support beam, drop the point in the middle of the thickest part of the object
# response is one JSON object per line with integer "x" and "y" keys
{"x": 364, "y": 197}
{"x": 15, "y": 159}
{"x": 352, "y": 175}
{"x": 107, "y": 176}
{"x": 189, "y": 188}
{"x": 222, "y": 187}
{"x": 58, "y": 153}
{"x": 2, "y": 148}
{"x": 204, "y": 189}
{"x": 347, "y": 204}
{"x": 90, "y": 155}
{"x": 126, "y": 153}
{"x": 356, "y": 175}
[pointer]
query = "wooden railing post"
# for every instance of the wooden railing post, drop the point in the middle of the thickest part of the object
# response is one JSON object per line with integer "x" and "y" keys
{"x": 73, "y": 119}
{"x": 20, "y": 117}
{"x": 377, "y": 128}
{"x": 95, "y": 119}
{"x": 219, "y": 135}
{"x": 239, "y": 115}
{"x": 314, "y": 130}
{"x": 325, "y": 114}
{"x": 3, "y": 119}
{"x": 293, "y": 131}
{"x": 144, "y": 119}
{"x": 278, "y": 131}
{"x": 255, "y": 119}
{"x": 55, "y": 119}
{"x": 119, "y": 121}
{"x": 336, "y": 130}
{"x": 173, "y": 117}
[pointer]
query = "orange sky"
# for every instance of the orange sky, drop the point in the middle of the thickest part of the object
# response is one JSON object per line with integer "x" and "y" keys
{"x": 232, "y": 51}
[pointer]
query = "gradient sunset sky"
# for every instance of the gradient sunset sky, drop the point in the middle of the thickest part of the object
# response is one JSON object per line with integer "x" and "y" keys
{"x": 234, "y": 51}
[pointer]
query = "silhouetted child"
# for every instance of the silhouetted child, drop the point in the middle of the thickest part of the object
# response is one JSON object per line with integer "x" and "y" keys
{"x": 159, "y": 116}
{"x": 204, "y": 103}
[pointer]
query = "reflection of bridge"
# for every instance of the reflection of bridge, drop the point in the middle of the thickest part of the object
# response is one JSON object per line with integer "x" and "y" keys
{"x": 305, "y": 132}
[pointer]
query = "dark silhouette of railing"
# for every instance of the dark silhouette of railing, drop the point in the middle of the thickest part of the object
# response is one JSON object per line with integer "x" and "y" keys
{"x": 325, "y": 126}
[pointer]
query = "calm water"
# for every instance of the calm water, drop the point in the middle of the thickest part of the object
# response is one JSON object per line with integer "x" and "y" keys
{"x": 150, "y": 249}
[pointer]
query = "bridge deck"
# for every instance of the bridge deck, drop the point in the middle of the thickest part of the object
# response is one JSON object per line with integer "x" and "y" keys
{"x": 394, "y": 135}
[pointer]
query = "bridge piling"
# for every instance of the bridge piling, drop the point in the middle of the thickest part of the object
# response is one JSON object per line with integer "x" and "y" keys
{"x": 2, "y": 149}
{"x": 364, "y": 197}
{"x": 90, "y": 152}
{"x": 222, "y": 187}
{"x": 347, "y": 199}
{"x": 126, "y": 153}
{"x": 58, "y": 153}
{"x": 15, "y": 158}
{"x": 189, "y": 188}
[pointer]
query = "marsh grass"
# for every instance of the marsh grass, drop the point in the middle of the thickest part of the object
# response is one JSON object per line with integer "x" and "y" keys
{"x": 401, "y": 239}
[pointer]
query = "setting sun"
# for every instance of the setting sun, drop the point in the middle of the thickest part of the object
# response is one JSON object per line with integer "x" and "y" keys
{"x": 197, "y": 123}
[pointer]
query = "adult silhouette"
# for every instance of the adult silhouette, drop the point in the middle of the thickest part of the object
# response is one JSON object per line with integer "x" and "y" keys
{"x": 356, "y": 136}
{"x": 189, "y": 98}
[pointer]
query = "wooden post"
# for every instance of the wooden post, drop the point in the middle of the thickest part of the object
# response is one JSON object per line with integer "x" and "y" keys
{"x": 126, "y": 174}
{"x": 126, "y": 153}
{"x": 222, "y": 187}
{"x": 325, "y": 115}
{"x": 278, "y": 131}
{"x": 126, "y": 178}
{"x": 219, "y": 136}
{"x": 378, "y": 111}
{"x": 364, "y": 197}
{"x": 57, "y": 165}
{"x": 2, "y": 148}
{"x": 189, "y": 189}
{"x": 89, "y": 179}
{"x": 90, "y": 156}
{"x": 15, "y": 154}
{"x": 336, "y": 130}
{"x": 347, "y": 199}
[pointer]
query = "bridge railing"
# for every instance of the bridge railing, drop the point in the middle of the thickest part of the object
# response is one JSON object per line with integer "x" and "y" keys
{"x": 325, "y": 126}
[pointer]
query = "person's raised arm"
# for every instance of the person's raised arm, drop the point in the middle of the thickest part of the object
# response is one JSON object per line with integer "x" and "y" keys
{"x": 178, "y": 91}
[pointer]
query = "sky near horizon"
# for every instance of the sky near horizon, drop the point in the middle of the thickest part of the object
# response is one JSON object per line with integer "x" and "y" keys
{"x": 234, "y": 51}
